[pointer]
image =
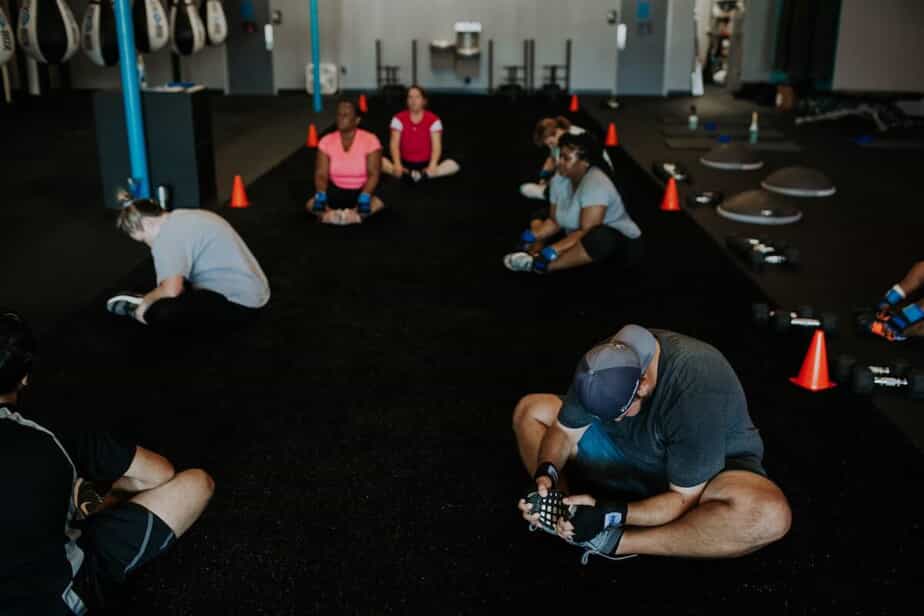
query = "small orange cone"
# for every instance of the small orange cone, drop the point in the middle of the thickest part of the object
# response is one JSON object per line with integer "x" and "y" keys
{"x": 238, "y": 195}
{"x": 670, "y": 202}
{"x": 574, "y": 103}
{"x": 312, "y": 140}
{"x": 611, "y": 139}
{"x": 814, "y": 373}
{"x": 363, "y": 107}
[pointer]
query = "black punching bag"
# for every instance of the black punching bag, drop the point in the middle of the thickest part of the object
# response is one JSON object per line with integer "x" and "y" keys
{"x": 7, "y": 44}
{"x": 48, "y": 31}
{"x": 216, "y": 24}
{"x": 186, "y": 29}
{"x": 98, "y": 33}
{"x": 150, "y": 22}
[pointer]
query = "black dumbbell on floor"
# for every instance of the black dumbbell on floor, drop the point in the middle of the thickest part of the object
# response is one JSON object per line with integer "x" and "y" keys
{"x": 760, "y": 252}
{"x": 863, "y": 379}
{"x": 782, "y": 320}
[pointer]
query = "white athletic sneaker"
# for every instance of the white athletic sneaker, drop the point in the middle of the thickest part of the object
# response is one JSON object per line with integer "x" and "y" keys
{"x": 519, "y": 262}
{"x": 123, "y": 304}
{"x": 531, "y": 190}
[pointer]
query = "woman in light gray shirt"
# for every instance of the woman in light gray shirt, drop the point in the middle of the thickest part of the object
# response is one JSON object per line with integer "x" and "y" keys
{"x": 586, "y": 220}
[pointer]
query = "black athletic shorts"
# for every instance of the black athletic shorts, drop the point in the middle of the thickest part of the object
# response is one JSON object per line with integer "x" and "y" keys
{"x": 342, "y": 198}
{"x": 602, "y": 243}
{"x": 117, "y": 541}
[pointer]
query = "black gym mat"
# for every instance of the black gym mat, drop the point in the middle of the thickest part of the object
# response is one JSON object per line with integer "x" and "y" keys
{"x": 707, "y": 143}
{"x": 892, "y": 144}
{"x": 683, "y": 131}
{"x": 360, "y": 437}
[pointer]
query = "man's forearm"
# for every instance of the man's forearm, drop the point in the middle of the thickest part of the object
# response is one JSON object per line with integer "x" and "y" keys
{"x": 555, "y": 448}
{"x": 569, "y": 241}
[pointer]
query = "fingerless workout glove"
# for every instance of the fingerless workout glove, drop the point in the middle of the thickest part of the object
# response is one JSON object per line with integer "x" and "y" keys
{"x": 320, "y": 202}
{"x": 365, "y": 203}
{"x": 589, "y": 522}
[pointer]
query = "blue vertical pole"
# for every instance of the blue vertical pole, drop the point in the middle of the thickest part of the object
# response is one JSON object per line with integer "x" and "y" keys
{"x": 316, "y": 55}
{"x": 131, "y": 97}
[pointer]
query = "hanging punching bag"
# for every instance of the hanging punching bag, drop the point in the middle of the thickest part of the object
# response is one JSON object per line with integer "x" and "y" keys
{"x": 48, "y": 31}
{"x": 186, "y": 28}
{"x": 150, "y": 22}
{"x": 98, "y": 33}
{"x": 216, "y": 25}
{"x": 7, "y": 46}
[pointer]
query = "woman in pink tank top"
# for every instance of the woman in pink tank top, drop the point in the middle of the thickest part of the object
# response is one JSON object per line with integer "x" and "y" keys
{"x": 347, "y": 171}
{"x": 416, "y": 144}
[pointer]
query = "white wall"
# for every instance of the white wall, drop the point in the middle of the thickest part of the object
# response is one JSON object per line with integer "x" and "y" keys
{"x": 292, "y": 40}
{"x": 880, "y": 46}
{"x": 508, "y": 22}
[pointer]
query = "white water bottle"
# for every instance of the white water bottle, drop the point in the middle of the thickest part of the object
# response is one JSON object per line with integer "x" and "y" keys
{"x": 693, "y": 120}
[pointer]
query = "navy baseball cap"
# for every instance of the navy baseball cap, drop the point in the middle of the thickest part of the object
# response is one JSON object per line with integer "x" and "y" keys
{"x": 607, "y": 377}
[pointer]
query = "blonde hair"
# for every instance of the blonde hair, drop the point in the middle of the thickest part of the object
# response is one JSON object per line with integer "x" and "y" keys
{"x": 133, "y": 211}
{"x": 546, "y": 127}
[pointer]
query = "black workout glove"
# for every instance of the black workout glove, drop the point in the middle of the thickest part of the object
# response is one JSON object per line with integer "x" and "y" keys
{"x": 547, "y": 469}
{"x": 589, "y": 522}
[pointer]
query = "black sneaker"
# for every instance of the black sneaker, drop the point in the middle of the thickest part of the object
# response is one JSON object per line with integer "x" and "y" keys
{"x": 124, "y": 304}
{"x": 87, "y": 500}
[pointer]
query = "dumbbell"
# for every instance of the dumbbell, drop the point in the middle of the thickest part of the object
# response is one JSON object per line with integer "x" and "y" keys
{"x": 704, "y": 199}
{"x": 804, "y": 316}
{"x": 864, "y": 379}
{"x": 761, "y": 252}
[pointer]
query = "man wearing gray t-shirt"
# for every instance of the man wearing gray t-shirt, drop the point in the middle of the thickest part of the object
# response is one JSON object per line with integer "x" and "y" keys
{"x": 206, "y": 274}
{"x": 655, "y": 443}
{"x": 586, "y": 220}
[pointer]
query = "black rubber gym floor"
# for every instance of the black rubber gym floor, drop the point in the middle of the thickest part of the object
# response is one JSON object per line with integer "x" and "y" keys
{"x": 360, "y": 433}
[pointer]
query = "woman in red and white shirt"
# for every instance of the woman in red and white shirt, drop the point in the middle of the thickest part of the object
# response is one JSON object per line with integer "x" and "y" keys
{"x": 417, "y": 142}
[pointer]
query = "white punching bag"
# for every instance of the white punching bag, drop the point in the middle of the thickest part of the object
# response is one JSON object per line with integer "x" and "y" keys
{"x": 7, "y": 39}
{"x": 98, "y": 33}
{"x": 48, "y": 31}
{"x": 216, "y": 24}
{"x": 151, "y": 27}
{"x": 186, "y": 29}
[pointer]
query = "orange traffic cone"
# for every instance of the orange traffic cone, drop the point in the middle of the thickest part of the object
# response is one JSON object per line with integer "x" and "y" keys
{"x": 574, "y": 103}
{"x": 312, "y": 140}
{"x": 238, "y": 195}
{"x": 670, "y": 202}
{"x": 814, "y": 373}
{"x": 611, "y": 139}
{"x": 363, "y": 107}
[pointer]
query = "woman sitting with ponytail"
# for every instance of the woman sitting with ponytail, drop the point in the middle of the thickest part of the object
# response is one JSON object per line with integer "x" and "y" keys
{"x": 548, "y": 132}
{"x": 586, "y": 220}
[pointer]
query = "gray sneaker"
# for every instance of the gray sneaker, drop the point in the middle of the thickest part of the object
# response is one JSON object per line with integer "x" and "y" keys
{"x": 604, "y": 544}
{"x": 124, "y": 304}
{"x": 519, "y": 262}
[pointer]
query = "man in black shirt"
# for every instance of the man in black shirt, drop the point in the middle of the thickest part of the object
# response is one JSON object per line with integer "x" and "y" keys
{"x": 655, "y": 440}
{"x": 44, "y": 544}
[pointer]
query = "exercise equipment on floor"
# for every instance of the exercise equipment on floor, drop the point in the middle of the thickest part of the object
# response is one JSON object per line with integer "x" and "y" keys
{"x": 708, "y": 198}
{"x": 759, "y": 207}
{"x": 799, "y": 182}
{"x": 665, "y": 170}
{"x": 782, "y": 321}
{"x": 760, "y": 252}
{"x": 732, "y": 157}
{"x": 864, "y": 379}
{"x": 813, "y": 375}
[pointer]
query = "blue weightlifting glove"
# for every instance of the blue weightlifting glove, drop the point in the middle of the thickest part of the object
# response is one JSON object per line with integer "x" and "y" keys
{"x": 589, "y": 522}
{"x": 908, "y": 316}
{"x": 892, "y": 298}
{"x": 364, "y": 204}
{"x": 320, "y": 202}
{"x": 527, "y": 239}
{"x": 541, "y": 263}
